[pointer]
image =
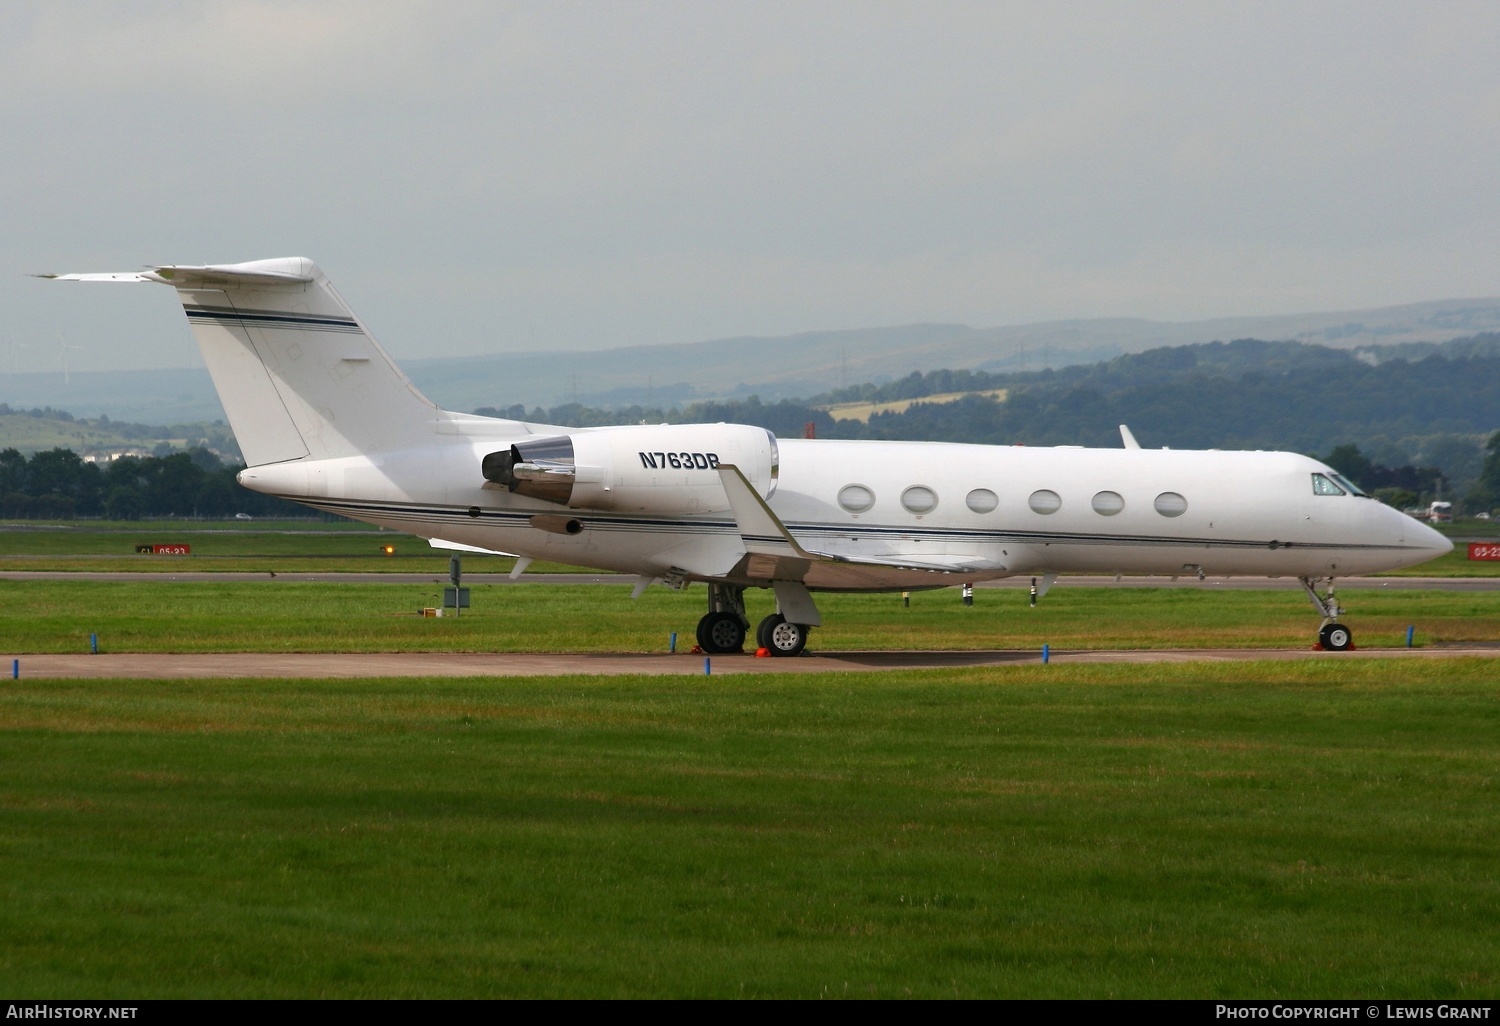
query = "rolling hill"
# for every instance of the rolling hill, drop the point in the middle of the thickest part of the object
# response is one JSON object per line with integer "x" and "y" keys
{"x": 771, "y": 367}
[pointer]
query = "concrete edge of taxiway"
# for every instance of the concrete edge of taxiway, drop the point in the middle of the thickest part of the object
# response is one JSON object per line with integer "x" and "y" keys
{"x": 155, "y": 666}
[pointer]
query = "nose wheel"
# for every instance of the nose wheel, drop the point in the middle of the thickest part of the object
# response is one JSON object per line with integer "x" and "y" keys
{"x": 1335, "y": 637}
{"x": 1332, "y": 635}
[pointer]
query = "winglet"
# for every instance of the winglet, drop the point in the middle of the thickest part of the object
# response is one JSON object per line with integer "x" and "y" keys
{"x": 1128, "y": 438}
{"x": 760, "y": 529}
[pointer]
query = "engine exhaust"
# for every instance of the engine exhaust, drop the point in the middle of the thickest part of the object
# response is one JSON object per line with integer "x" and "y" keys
{"x": 556, "y": 523}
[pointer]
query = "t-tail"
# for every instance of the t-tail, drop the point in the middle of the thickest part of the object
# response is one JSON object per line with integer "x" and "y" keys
{"x": 298, "y": 373}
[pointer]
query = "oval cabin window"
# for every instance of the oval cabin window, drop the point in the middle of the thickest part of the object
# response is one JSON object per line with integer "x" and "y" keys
{"x": 1044, "y": 501}
{"x": 856, "y": 498}
{"x": 982, "y": 500}
{"x": 919, "y": 499}
{"x": 1107, "y": 504}
{"x": 1170, "y": 504}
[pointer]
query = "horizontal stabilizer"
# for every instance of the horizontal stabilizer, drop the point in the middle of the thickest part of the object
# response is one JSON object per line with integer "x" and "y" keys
{"x": 255, "y": 274}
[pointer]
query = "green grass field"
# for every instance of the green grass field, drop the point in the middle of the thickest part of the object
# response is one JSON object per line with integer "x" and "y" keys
{"x": 1306, "y": 829}
{"x": 1218, "y": 830}
{"x": 321, "y": 546}
{"x": 233, "y": 546}
{"x": 272, "y": 616}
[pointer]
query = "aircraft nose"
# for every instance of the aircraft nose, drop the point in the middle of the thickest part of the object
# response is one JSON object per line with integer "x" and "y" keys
{"x": 1431, "y": 543}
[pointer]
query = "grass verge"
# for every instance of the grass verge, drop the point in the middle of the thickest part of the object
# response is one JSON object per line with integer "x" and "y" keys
{"x": 272, "y": 616}
{"x": 1214, "y": 830}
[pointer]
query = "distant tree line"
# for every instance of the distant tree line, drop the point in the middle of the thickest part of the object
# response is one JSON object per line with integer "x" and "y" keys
{"x": 1408, "y": 429}
{"x": 215, "y": 436}
{"x": 59, "y": 484}
{"x": 1421, "y": 423}
{"x": 1402, "y": 487}
{"x": 1485, "y": 495}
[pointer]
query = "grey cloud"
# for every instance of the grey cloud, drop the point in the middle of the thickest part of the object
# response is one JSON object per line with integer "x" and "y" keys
{"x": 481, "y": 177}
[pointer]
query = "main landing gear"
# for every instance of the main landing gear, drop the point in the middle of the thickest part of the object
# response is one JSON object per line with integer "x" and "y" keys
{"x": 780, "y": 637}
{"x": 1332, "y": 635}
{"x": 724, "y": 627}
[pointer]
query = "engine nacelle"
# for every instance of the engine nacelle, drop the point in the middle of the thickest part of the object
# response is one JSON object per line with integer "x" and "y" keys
{"x": 662, "y": 468}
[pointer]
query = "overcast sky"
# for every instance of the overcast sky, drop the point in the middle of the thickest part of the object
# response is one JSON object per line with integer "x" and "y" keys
{"x": 507, "y": 176}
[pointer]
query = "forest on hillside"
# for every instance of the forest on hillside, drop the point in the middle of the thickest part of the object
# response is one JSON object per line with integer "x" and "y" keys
{"x": 1436, "y": 411}
{"x": 1412, "y": 422}
{"x": 58, "y": 484}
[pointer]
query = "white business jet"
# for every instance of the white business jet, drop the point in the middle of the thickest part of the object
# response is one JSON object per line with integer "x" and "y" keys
{"x": 325, "y": 418}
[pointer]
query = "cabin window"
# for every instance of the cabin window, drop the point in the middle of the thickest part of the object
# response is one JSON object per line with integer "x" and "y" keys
{"x": 982, "y": 500}
{"x": 919, "y": 499}
{"x": 1170, "y": 504}
{"x": 856, "y": 498}
{"x": 1323, "y": 485}
{"x": 1107, "y": 504}
{"x": 1044, "y": 501}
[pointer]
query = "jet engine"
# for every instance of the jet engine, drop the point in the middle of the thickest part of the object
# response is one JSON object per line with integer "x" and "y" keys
{"x": 663, "y": 468}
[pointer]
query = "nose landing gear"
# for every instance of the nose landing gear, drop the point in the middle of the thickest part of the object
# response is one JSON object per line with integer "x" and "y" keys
{"x": 1332, "y": 635}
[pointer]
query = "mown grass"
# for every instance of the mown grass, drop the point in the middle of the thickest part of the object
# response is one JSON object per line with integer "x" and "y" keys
{"x": 219, "y": 548}
{"x": 1214, "y": 830}
{"x": 272, "y": 616}
{"x": 229, "y": 547}
{"x": 313, "y": 546}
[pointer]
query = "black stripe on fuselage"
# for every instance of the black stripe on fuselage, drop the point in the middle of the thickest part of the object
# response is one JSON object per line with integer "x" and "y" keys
{"x": 803, "y": 532}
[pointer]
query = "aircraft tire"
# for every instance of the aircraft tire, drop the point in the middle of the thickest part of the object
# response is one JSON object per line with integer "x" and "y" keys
{"x": 1335, "y": 637}
{"x": 763, "y": 630}
{"x": 719, "y": 633}
{"x": 783, "y": 638}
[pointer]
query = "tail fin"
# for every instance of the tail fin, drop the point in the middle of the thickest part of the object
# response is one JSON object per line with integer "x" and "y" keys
{"x": 297, "y": 372}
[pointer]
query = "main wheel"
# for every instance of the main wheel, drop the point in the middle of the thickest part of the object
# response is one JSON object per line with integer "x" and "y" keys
{"x": 1335, "y": 637}
{"x": 721, "y": 632}
{"x": 763, "y": 630}
{"x": 783, "y": 638}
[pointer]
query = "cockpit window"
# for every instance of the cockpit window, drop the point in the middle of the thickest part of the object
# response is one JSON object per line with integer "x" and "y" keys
{"x": 1347, "y": 485}
{"x": 1323, "y": 485}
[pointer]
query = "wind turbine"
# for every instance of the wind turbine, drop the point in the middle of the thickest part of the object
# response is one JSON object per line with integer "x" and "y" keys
{"x": 66, "y": 378}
